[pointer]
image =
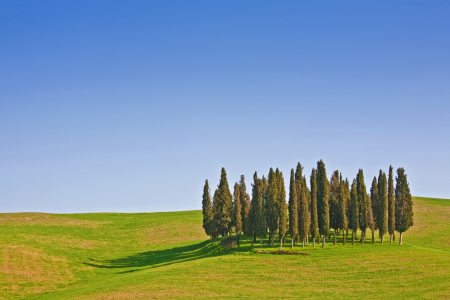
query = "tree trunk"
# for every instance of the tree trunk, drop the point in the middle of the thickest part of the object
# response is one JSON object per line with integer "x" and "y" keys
{"x": 212, "y": 243}
{"x": 400, "y": 240}
{"x": 343, "y": 237}
{"x": 307, "y": 239}
{"x": 314, "y": 242}
{"x": 281, "y": 244}
{"x": 353, "y": 237}
{"x": 260, "y": 243}
{"x": 292, "y": 243}
{"x": 323, "y": 241}
{"x": 381, "y": 238}
{"x": 334, "y": 238}
{"x": 373, "y": 237}
{"x": 238, "y": 238}
{"x": 391, "y": 238}
{"x": 303, "y": 244}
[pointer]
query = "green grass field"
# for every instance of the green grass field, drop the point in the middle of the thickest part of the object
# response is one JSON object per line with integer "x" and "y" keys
{"x": 168, "y": 255}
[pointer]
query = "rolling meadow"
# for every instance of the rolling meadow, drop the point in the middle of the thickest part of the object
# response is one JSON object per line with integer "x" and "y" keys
{"x": 168, "y": 255}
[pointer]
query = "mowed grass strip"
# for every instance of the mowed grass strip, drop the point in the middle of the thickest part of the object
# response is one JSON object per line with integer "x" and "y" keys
{"x": 167, "y": 255}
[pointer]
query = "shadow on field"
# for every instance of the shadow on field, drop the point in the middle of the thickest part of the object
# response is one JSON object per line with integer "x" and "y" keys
{"x": 159, "y": 258}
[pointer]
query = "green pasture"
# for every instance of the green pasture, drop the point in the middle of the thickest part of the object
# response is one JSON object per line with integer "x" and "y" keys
{"x": 168, "y": 255}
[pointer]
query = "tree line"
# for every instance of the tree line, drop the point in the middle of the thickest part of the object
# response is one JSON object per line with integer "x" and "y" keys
{"x": 311, "y": 212}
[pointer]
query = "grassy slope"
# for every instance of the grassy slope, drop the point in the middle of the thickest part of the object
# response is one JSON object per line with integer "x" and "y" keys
{"x": 114, "y": 256}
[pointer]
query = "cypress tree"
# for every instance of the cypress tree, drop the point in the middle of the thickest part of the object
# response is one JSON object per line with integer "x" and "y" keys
{"x": 383, "y": 201}
{"x": 308, "y": 200}
{"x": 323, "y": 197}
{"x": 237, "y": 211}
{"x": 334, "y": 203}
{"x": 282, "y": 209}
{"x": 403, "y": 204}
{"x": 375, "y": 198}
{"x": 223, "y": 203}
{"x": 354, "y": 211}
{"x": 250, "y": 226}
{"x": 258, "y": 207}
{"x": 348, "y": 205}
{"x": 342, "y": 211}
{"x": 362, "y": 204}
{"x": 244, "y": 205}
{"x": 304, "y": 219}
{"x": 391, "y": 204}
{"x": 207, "y": 211}
{"x": 293, "y": 212}
{"x": 271, "y": 205}
{"x": 375, "y": 205}
{"x": 298, "y": 187}
{"x": 370, "y": 221}
{"x": 314, "y": 217}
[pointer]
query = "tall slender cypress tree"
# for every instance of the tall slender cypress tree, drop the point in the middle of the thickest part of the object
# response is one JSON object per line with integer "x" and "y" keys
{"x": 375, "y": 205}
{"x": 334, "y": 203}
{"x": 250, "y": 226}
{"x": 375, "y": 198}
{"x": 383, "y": 200}
{"x": 258, "y": 206}
{"x": 293, "y": 211}
{"x": 391, "y": 204}
{"x": 207, "y": 211}
{"x": 323, "y": 198}
{"x": 308, "y": 200}
{"x": 283, "y": 211}
{"x": 354, "y": 210}
{"x": 403, "y": 204}
{"x": 224, "y": 203}
{"x": 303, "y": 217}
{"x": 237, "y": 211}
{"x": 271, "y": 205}
{"x": 342, "y": 211}
{"x": 244, "y": 205}
{"x": 362, "y": 204}
{"x": 370, "y": 221}
{"x": 314, "y": 217}
{"x": 299, "y": 188}
{"x": 348, "y": 206}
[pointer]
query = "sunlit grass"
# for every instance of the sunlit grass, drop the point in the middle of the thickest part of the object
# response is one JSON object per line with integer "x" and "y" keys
{"x": 167, "y": 255}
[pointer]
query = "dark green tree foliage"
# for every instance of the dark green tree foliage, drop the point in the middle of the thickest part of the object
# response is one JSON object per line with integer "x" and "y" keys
{"x": 354, "y": 210}
{"x": 244, "y": 205}
{"x": 308, "y": 200}
{"x": 237, "y": 211}
{"x": 207, "y": 211}
{"x": 250, "y": 226}
{"x": 370, "y": 221}
{"x": 334, "y": 203}
{"x": 272, "y": 205}
{"x": 304, "y": 219}
{"x": 224, "y": 205}
{"x": 298, "y": 186}
{"x": 348, "y": 205}
{"x": 293, "y": 211}
{"x": 403, "y": 204}
{"x": 314, "y": 217}
{"x": 383, "y": 202}
{"x": 391, "y": 205}
{"x": 258, "y": 208}
{"x": 375, "y": 199}
{"x": 342, "y": 211}
{"x": 362, "y": 204}
{"x": 283, "y": 211}
{"x": 323, "y": 197}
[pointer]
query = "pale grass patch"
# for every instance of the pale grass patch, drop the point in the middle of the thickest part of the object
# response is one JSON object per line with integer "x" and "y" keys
{"x": 172, "y": 233}
{"x": 19, "y": 219}
{"x": 30, "y": 270}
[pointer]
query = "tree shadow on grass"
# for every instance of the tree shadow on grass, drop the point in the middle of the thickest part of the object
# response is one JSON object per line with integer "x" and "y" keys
{"x": 159, "y": 258}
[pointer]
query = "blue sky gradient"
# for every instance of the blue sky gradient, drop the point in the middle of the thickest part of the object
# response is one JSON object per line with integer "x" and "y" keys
{"x": 128, "y": 106}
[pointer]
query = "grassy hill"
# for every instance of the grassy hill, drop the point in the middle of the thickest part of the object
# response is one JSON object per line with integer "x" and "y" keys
{"x": 167, "y": 255}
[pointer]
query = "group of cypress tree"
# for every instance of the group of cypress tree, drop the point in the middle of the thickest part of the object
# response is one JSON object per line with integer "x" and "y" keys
{"x": 310, "y": 212}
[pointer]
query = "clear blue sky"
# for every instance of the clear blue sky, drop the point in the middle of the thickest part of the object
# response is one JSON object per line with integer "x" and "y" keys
{"x": 129, "y": 106}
